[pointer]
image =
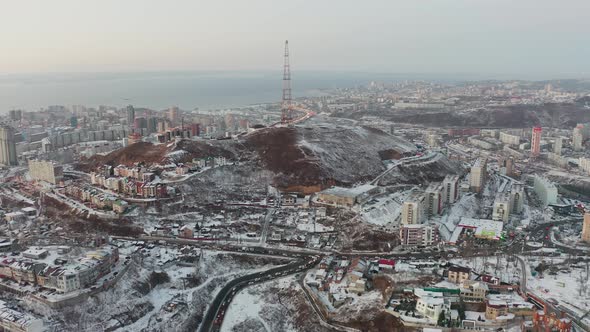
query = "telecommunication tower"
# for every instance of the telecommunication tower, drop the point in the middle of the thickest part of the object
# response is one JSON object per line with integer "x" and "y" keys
{"x": 287, "y": 103}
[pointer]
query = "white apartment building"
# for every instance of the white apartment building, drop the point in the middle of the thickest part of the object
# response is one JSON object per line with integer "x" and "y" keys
{"x": 501, "y": 211}
{"x": 509, "y": 139}
{"x": 431, "y": 304}
{"x": 45, "y": 171}
{"x": 412, "y": 210}
{"x": 545, "y": 190}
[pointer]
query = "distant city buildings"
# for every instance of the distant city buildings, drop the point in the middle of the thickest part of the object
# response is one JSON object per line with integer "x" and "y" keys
{"x": 130, "y": 115}
{"x": 173, "y": 115}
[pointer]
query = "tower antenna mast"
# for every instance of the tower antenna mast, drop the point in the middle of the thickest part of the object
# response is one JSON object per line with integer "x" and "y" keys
{"x": 287, "y": 103}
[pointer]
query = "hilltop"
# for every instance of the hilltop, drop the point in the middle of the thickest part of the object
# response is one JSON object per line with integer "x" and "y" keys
{"x": 322, "y": 155}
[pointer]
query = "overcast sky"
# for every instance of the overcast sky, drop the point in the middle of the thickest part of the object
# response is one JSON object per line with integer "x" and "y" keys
{"x": 410, "y": 36}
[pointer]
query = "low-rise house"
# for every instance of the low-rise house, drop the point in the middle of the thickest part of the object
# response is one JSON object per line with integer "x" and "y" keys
{"x": 496, "y": 309}
{"x": 431, "y": 304}
{"x": 458, "y": 274}
{"x": 186, "y": 232}
{"x": 16, "y": 321}
{"x": 120, "y": 206}
{"x": 337, "y": 299}
{"x": 358, "y": 286}
{"x": 26, "y": 271}
{"x": 489, "y": 279}
{"x": 514, "y": 303}
{"x": 386, "y": 264}
{"x": 326, "y": 261}
{"x": 473, "y": 291}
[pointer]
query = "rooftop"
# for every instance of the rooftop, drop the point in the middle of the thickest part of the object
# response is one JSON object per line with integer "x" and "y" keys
{"x": 349, "y": 192}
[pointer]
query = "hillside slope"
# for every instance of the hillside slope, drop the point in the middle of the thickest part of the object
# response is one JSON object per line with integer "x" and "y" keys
{"x": 324, "y": 155}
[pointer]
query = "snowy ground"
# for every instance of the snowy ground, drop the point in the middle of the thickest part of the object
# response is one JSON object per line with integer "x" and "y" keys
{"x": 249, "y": 304}
{"x": 569, "y": 286}
{"x": 499, "y": 266}
{"x": 467, "y": 206}
{"x": 137, "y": 303}
{"x": 384, "y": 210}
{"x": 278, "y": 305}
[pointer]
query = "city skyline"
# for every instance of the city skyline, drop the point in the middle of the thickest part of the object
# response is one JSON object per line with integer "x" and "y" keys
{"x": 488, "y": 37}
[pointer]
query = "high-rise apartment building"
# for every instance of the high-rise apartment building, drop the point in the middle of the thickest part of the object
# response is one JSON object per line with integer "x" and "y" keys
{"x": 412, "y": 210}
{"x": 418, "y": 235}
{"x": 577, "y": 138}
{"x": 516, "y": 198}
{"x": 557, "y": 145}
{"x": 130, "y": 115}
{"x": 586, "y": 228}
{"x": 450, "y": 192}
{"x": 173, "y": 115}
{"x": 536, "y": 141}
{"x": 478, "y": 175}
{"x": 501, "y": 210}
{"x": 7, "y": 146}
{"x": 434, "y": 199}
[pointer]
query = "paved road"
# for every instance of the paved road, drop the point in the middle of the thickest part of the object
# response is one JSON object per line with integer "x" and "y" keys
{"x": 556, "y": 309}
{"x": 214, "y": 317}
{"x": 402, "y": 161}
{"x": 267, "y": 220}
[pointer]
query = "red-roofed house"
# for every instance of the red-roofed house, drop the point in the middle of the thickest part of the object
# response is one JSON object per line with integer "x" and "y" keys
{"x": 386, "y": 264}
